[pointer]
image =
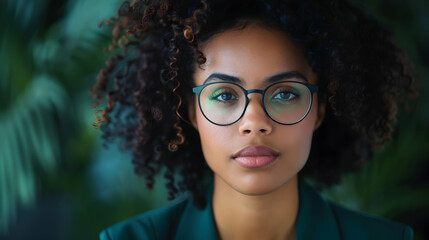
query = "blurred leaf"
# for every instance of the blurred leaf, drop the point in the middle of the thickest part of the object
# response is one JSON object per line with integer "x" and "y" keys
{"x": 29, "y": 142}
{"x": 383, "y": 186}
{"x": 34, "y": 108}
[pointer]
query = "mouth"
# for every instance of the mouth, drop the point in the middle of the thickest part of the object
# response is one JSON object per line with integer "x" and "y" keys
{"x": 255, "y": 156}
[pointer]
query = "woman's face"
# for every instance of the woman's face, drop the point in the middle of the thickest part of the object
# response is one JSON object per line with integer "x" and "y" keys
{"x": 273, "y": 153}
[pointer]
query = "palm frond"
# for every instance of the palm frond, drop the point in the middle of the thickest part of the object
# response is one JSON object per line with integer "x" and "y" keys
{"x": 30, "y": 141}
{"x": 383, "y": 186}
{"x": 34, "y": 111}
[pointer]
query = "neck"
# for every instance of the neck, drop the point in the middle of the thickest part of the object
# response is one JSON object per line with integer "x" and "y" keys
{"x": 269, "y": 216}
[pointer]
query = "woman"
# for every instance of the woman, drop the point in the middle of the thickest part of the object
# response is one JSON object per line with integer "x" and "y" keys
{"x": 238, "y": 100}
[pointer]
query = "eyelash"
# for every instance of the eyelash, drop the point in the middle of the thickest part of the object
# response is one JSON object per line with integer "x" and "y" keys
{"x": 216, "y": 94}
{"x": 287, "y": 91}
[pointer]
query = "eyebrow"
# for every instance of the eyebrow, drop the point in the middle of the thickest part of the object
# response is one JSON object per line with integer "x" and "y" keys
{"x": 278, "y": 77}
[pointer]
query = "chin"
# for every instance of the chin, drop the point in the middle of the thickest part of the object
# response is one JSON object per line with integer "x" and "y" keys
{"x": 259, "y": 188}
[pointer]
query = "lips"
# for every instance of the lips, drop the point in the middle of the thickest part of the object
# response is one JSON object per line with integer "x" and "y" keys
{"x": 255, "y": 156}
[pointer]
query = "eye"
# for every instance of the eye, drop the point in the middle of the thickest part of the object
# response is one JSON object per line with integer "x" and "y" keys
{"x": 284, "y": 95}
{"x": 223, "y": 96}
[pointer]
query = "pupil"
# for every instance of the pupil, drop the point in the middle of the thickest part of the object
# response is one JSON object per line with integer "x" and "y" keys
{"x": 284, "y": 95}
{"x": 225, "y": 96}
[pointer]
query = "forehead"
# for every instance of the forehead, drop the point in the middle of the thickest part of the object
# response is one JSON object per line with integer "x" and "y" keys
{"x": 253, "y": 53}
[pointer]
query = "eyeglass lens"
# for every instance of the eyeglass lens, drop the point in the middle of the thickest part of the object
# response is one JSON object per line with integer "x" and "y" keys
{"x": 285, "y": 102}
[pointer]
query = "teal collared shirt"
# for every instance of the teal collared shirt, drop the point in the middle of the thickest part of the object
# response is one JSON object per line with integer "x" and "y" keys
{"x": 318, "y": 218}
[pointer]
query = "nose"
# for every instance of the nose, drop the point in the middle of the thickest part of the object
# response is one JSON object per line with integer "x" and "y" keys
{"x": 255, "y": 120}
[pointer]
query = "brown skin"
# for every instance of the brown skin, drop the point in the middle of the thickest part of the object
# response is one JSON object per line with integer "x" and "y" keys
{"x": 255, "y": 203}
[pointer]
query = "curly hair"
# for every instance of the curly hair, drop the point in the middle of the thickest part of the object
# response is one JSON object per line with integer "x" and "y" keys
{"x": 361, "y": 75}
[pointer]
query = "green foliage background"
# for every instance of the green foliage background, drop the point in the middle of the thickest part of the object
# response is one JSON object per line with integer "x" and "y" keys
{"x": 57, "y": 182}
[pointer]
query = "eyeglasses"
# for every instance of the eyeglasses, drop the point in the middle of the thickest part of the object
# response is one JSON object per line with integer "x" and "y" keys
{"x": 285, "y": 102}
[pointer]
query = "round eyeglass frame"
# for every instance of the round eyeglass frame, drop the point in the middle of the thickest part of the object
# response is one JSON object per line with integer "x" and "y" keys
{"x": 312, "y": 88}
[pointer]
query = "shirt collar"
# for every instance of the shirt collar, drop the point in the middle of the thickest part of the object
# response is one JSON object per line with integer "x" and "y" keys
{"x": 198, "y": 223}
{"x": 315, "y": 220}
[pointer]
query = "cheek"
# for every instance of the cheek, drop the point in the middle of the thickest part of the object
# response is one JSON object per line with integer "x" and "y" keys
{"x": 304, "y": 133}
{"x": 296, "y": 139}
{"x": 214, "y": 139}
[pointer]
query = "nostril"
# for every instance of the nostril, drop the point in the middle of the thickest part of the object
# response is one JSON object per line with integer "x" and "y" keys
{"x": 262, "y": 130}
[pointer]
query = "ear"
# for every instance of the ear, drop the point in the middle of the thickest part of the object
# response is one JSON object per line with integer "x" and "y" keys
{"x": 192, "y": 112}
{"x": 320, "y": 114}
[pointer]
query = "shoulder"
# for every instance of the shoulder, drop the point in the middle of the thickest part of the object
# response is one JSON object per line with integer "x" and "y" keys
{"x": 319, "y": 216}
{"x": 157, "y": 224}
{"x": 181, "y": 220}
{"x": 358, "y": 225}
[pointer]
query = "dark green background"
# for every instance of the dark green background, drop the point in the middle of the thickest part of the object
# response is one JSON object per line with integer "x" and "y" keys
{"x": 57, "y": 182}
